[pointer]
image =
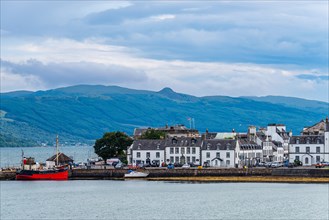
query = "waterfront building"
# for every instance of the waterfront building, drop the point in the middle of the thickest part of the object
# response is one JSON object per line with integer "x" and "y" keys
{"x": 247, "y": 152}
{"x": 183, "y": 150}
{"x": 312, "y": 146}
{"x": 218, "y": 152}
{"x": 146, "y": 152}
{"x": 61, "y": 158}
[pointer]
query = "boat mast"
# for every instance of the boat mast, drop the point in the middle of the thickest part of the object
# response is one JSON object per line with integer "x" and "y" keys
{"x": 57, "y": 150}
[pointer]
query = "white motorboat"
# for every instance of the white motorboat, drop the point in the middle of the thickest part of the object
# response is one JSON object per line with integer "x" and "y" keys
{"x": 135, "y": 174}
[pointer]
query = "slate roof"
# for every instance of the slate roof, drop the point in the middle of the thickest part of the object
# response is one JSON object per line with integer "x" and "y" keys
{"x": 62, "y": 158}
{"x": 149, "y": 144}
{"x": 246, "y": 144}
{"x": 318, "y": 128}
{"x": 183, "y": 141}
{"x": 303, "y": 139}
{"x": 219, "y": 144}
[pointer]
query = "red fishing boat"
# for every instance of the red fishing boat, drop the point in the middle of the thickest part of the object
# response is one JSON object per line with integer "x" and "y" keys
{"x": 56, "y": 174}
{"x": 33, "y": 171}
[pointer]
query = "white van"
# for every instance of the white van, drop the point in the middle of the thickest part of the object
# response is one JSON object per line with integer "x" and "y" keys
{"x": 112, "y": 160}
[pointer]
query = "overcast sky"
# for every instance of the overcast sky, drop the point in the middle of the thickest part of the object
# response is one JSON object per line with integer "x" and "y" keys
{"x": 233, "y": 48}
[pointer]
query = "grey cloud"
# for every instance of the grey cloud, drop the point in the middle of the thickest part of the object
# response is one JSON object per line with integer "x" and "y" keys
{"x": 70, "y": 73}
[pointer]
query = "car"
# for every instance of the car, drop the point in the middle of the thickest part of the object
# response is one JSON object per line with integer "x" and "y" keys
{"x": 291, "y": 165}
{"x": 325, "y": 163}
{"x": 268, "y": 164}
{"x": 119, "y": 165}
{"x": 192, "y": 164}
{"x": 319, "y": 165}
{"x": 275, "y": 164}
{"x": 261, "y": 164}
{"x": 170, "y": 166}
{"x": 186, "y": 166}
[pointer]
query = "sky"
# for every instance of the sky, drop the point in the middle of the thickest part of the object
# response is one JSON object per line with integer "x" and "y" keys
{"x": 230, "y": 48}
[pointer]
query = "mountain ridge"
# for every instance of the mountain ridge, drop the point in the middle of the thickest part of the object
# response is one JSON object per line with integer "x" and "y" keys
{"x": 83, "y": 113}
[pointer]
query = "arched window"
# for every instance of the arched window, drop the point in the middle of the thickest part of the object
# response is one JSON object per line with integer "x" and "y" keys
{"x": 306, "y": 160}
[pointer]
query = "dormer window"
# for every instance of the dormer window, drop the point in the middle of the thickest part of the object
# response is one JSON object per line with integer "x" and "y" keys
{"x": 193, "y": 141}
{"x": 158, "y": 146}
{"x": 218, "y": 146}
{"x": 174, "y": 141}
{"x": 208, "y": 146}
{"x": 297, "y": 141}
{"x": 228, "y": 145}
{"x": 139, "y": 146}
{"x": 307, "y": 140}
{"x": 318, "y": 141}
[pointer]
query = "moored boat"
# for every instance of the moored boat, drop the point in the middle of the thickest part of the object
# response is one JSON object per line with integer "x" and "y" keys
{"x": 135, "y": 174}
{"x": 55, "y": 174}
{"x": 34, "y": 171}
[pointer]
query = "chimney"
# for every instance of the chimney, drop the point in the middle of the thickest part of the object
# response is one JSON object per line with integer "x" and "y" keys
{"x": 290, "y": 133}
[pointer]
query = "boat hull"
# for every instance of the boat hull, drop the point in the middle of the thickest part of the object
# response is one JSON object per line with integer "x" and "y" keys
{"x": 42, "y": 175}
{"x": 136, "y": 175}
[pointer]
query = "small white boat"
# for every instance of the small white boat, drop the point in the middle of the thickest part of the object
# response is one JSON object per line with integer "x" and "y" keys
{"x": 136, "y": 174}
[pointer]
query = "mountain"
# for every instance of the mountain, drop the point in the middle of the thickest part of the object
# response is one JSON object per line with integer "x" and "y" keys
{"x": 83, "y": 113}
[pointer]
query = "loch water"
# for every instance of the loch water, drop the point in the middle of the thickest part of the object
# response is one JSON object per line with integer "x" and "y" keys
{"x": 140, "y": 199}
{"x": 11, "y": 157}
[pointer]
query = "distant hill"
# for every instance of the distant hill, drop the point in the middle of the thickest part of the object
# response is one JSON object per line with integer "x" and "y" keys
{"x": 83, "y": 113}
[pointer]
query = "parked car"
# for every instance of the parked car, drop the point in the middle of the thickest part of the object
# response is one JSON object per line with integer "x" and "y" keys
{"x": 319, "y": 165}
{"x": 261, "y": 164}
{"x": 206, "y": 164}
{"x": 298, "y": 163}
{"x": 192, "y": 164}
{"x": 119, "y": 165}
{"x": 325, "y": 163}
{"x": 268, "y": 164}
{"x": 276, "y": 164}
{"x": 186, "y": 166}
{"x": 170, "y": 166}
{"x": 291, "y": 165}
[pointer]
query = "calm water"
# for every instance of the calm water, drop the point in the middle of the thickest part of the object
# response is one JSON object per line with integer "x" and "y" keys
{"x": 162, "y": 200}
{"x": 12, "y": 156}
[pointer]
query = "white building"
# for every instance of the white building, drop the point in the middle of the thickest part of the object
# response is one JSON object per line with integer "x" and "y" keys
{"x": 183, "y": 150}
{"x": 218, "y": 152}
{"x": 310, "y": 148}
{"x": 146, "y": 151}
{"x": 248, "y": 152}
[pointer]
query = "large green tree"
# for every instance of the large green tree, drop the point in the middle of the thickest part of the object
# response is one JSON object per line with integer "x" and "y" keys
{"x": 112, "y": 144}
{"x": 153, "y": 134}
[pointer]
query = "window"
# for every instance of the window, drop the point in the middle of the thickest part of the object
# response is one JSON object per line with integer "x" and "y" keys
{"x": 188, "y": 150}
{"x": 188, "y": 159}
{"x": 227, "y": 162}
{"x": 307, "y": 141}
{"x": 297, "y": 158}
{"x": 218, "y": 155}
{"x": 158, "y": 146}
{"x": 193, "y": 141}
{"x": 147, "y": 154}
{"x": 306, "y": 160}
{"x": 193, "y": 159}
{"x": 307, "y": 150}
{"x": 139, "y": 146}
{"x": 216, "y": 162}
{"x": 227, "y": 154}
{"x": 182, "y": 150}
{"x": 218, "y": 146}
{"x": 176, "y": 159}
{"x": 317, "y": 149}
{"x": 317, "y": 159}
{"x": 174, "y": 141}
{"x": 297, "y": 141}
{"x": 176, "y": 150}
{"x": 193, "y": 150}
{"x": 138, "y": 154}
{"x": 171, "y": 150}
{"x": 318, "y": 141}
{"x": 297, "y": 150}
{"x": 171, "y": 159}
{"x": 157, "y": 154}
{"x": 208, "y": 146}
{"x": 208, "y": 155}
